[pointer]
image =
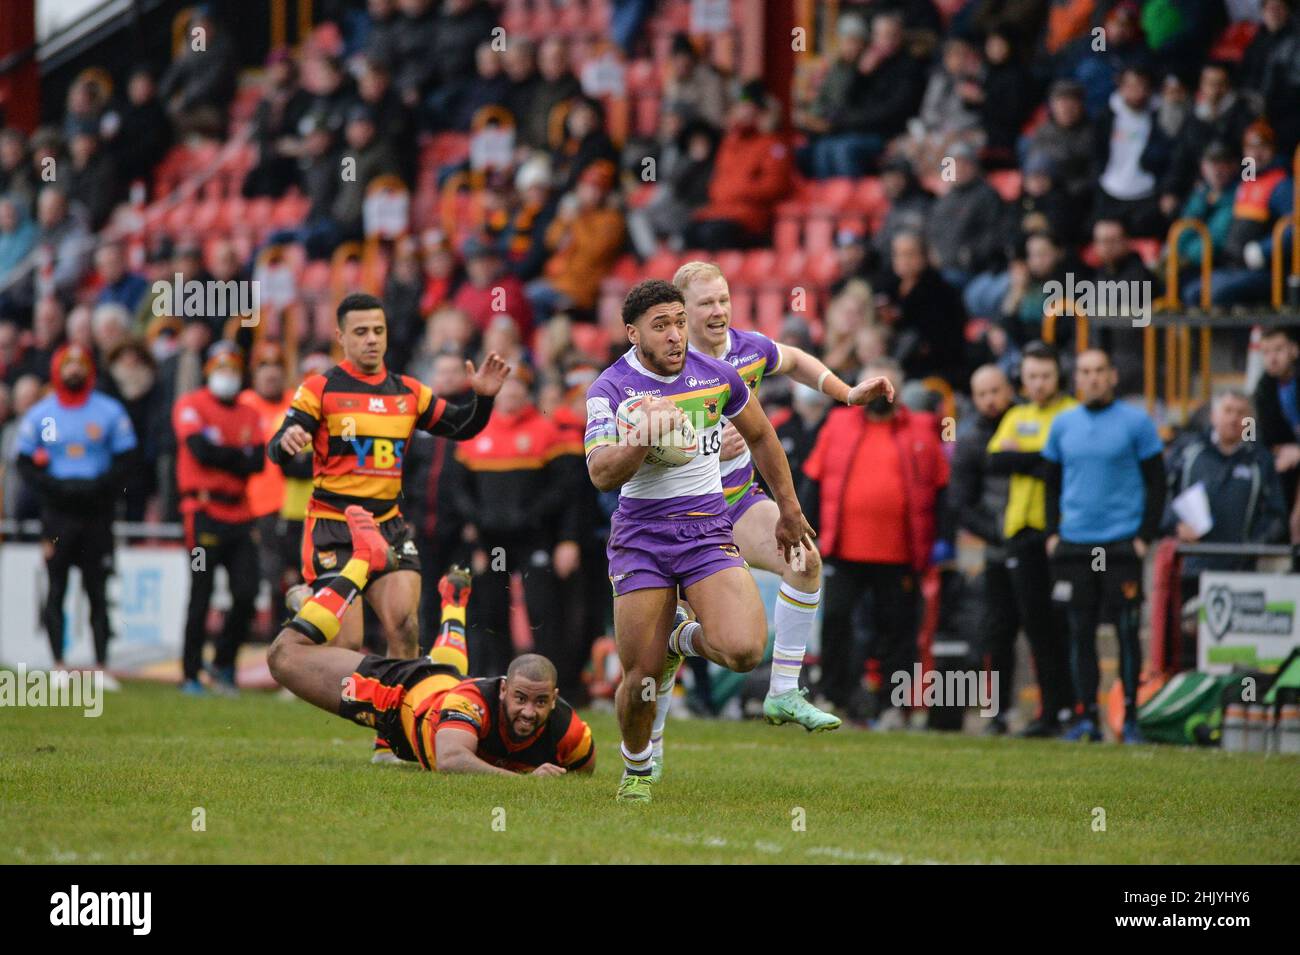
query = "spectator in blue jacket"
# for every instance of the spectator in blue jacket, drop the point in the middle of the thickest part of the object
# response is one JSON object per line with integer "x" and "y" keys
{"x": 1105, "y": 480}
{"x": 120, "y": 285}
{"x": 75, "y": 448}
{"x": 1264, "y": 195}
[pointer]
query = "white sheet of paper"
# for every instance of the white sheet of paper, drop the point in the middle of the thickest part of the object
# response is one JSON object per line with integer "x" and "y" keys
{"x": 1193, "y": 509}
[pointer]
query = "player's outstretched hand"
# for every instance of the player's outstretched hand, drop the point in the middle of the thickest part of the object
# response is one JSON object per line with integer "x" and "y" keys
{"x": 861, "y": 393}
{"x": 487, "y": 381}
{"x": 549, "y": 769}
{"x": 294, "y": 439}
{"x": 794, "y": 536}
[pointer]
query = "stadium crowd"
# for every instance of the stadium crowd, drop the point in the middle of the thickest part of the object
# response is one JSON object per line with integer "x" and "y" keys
{"x": 1112, "y": 119}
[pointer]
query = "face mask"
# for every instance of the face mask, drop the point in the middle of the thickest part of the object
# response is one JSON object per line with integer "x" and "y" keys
{"x": 880, "y": 405}
{"x": 224, "y": 384}
{"x": 164, "y": 347}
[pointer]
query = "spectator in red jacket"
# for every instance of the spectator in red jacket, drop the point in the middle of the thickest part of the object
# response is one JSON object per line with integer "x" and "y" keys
{"x": 751, "y": 174}
{"x": 489, "y": 290}
{"x": 878, "y": 474}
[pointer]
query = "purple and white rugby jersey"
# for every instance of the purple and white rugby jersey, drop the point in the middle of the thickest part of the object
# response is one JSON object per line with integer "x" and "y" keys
{"x": 707, "y": 390}
{"x": 753, "y": 355}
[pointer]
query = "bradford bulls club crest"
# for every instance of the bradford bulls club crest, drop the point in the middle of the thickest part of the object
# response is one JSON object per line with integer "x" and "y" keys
{"x": 711, "y": 406}
{"x": 1218, "y": 611}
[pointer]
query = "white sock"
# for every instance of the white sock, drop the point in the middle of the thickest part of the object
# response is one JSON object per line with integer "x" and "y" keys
{"x": 636, "y": 764}
{"x": 663, "y": 703}
{"x": 795, "y": 613}
{"x": 683, "y": 640}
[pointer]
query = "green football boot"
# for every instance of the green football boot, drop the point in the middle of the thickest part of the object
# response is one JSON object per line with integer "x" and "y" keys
{"x": 792, "y": 707}
{"x": 633, "y": 789}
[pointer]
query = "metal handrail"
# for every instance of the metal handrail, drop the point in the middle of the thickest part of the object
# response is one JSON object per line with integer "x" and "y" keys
{"x": 1240, "y": 550}
{"x": 130, "y": 530}
{"x": 1279, "y": 227}
{"x": 1178, "y": 339}
{"x": 1050, "y": 317}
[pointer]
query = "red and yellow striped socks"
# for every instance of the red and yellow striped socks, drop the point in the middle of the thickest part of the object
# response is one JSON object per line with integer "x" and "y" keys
{"x": 321, "y": 616}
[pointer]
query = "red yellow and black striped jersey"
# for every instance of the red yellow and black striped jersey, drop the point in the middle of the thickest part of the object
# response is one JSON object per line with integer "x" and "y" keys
{"x": 474, "y": 706}
{"x": 360, "y": 426}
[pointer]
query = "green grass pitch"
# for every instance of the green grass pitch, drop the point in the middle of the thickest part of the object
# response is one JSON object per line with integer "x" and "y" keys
{"x": 281, "y": 782}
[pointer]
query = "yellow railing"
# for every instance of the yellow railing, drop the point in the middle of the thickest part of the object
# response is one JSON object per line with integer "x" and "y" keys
{"x": 1178, "y": 339}
{"x": 1050, "y": 318}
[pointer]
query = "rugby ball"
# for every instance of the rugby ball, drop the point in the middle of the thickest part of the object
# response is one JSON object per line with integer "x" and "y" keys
{"x": 673, "y": 449}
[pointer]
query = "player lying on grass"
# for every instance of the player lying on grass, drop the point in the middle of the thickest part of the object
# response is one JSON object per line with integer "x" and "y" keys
{"x": 425, "y": 708}
{"x": 671, "y": 529}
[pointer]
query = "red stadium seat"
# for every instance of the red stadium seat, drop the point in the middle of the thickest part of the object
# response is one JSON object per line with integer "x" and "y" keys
{"x": 609, "y": 308}
{"x": 647, "y": 115}
{"x": 642, "y": 194}
{"x": 662, "y": 265}
{"x": 818, "y": 234}
{"x": 571, "y": 18}
{"x": 231, "y": 213}
{"x": 742, "y": 307}
{"x": 290, "y": 211}
{"x": 730, "y": 261}
{"x": 257, "y": 212}
{"x": 179, "y": 218}
{"x": 760, "y": 266}
{"x": 770, "y": 312}
{"x": 642, "y": 76}
{"x": 1007, "y": 183}
{"x": 792, "y": 268}
{"x": 515, "y": 16}
{"x": 869, "y": 197}
{"x": 445, "y": 149}
{"x": 591, "y": 340}
{"x": 1149, "y": 249}
{"x": 786, "y": 233}
{"x": 800, "y": 198}
{"x": 824, "y": 267}
{"x": 206, "y": 215}
{"x": 833, "y": 195}
{"x": 627, "y": 270}
{"x": 315, "y": 277}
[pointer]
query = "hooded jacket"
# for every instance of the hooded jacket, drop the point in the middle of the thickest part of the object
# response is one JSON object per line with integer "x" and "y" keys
{"x": 920, "y": 455}
{"x": 76, "y": 448}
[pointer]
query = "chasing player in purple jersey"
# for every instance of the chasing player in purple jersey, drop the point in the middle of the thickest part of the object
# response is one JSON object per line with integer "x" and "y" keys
{"x": 753, "y": 513}
{"x": 672, "y": 528}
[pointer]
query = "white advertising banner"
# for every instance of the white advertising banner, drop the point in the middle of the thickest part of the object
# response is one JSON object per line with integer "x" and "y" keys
{"x": 147, "y": 596}
{"x": 1246, "y": 619}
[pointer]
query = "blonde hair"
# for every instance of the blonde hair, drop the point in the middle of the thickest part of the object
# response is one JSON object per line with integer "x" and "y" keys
{"x": 696, "y": 271}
